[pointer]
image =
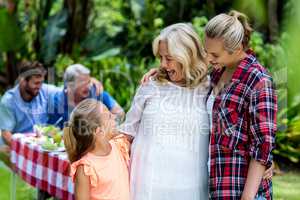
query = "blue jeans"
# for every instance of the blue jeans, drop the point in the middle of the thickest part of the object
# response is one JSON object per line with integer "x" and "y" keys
{"x": 259, "y": 197}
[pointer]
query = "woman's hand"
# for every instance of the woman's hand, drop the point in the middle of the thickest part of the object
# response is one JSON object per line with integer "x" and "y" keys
{"x": 269, "y": 172}
{"x": 98, "y": 85}
{"x": 152, "y": 72}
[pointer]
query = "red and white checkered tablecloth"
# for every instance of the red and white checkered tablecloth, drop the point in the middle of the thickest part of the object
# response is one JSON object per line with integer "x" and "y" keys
{"x": 47, "y": 171}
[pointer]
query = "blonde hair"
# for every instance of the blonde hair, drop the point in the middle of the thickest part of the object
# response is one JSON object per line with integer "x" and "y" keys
{"x": 185, "y": 47}
{"x": 232, "y": 27}
{"x": 79, "y": 131}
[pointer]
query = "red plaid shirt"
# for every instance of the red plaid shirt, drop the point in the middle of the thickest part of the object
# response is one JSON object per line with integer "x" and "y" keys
{"x": 243, "y": 127}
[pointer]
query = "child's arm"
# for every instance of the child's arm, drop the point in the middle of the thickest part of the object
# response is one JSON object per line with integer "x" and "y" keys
{"x": 82, "y": 185}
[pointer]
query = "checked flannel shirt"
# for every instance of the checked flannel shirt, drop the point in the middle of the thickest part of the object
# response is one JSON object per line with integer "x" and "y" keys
{"x": 243, "y": 127}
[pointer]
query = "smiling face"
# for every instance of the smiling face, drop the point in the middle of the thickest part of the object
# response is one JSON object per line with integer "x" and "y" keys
{"x": 169, "y": 64}
{"x": 218, "y": 56}
{"x": 82, "y": 86}
{"x": 32, "y": 86}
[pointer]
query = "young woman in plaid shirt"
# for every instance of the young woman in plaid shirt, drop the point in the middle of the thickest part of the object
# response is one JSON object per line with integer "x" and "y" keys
{"x": 242, "y": 106}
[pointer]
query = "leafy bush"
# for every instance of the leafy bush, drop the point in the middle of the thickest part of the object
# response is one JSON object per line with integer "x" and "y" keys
{"x": 119, "y": 76}
{"x": 288, "y": 135}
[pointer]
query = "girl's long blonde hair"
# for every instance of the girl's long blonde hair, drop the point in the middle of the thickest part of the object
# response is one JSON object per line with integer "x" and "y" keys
{"x": 79, "y": 137}
{"x": 185, "y": 47}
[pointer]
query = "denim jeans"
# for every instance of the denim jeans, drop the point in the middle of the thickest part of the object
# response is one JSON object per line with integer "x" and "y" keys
{"x": 259, "y": 197}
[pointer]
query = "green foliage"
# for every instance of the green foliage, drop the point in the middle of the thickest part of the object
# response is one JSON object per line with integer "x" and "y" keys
{"x": 54, "y": 32}
{"x": 10, "y": 34}
{"x": 272, "y": 56}
{"x": 288, "y": 135}
{"x": 256, "y": 9}
{"x": 199, "y": 24}
{"x": 117, "y": 45}
{"x": 142, "y": 24}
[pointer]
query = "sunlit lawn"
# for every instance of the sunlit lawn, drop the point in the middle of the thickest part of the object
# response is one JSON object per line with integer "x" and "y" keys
{"x": 24, "y": 191}
{"x": 286, "y": 187}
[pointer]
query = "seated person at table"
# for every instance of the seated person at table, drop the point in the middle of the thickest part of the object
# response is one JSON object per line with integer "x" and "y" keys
{"x": 77, "y": 88}
{"x": 99, "y": 156}
{"x": 27, "y": 103}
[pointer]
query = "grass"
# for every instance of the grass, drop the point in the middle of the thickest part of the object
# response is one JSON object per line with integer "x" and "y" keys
{"x": 285, "y": 187}
{"x": 23, "y": 190}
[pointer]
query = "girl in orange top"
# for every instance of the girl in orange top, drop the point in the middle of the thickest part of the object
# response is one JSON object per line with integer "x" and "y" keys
{"x": 99, "y": 158}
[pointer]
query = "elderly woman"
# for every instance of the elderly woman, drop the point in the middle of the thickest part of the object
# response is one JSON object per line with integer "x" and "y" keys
{"x": 77, "y": 88}
{"x": 169, "y": 123}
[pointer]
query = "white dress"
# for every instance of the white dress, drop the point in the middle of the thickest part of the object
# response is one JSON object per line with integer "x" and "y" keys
{"x": 209, "y": 108}
{"x": 169, "y": 152}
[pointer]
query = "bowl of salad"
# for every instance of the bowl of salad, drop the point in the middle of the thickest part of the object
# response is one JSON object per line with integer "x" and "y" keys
{"x": 50, "y": 137}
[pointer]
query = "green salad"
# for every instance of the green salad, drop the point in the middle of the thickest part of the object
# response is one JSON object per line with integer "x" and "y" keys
{"x": 53, "y": 137}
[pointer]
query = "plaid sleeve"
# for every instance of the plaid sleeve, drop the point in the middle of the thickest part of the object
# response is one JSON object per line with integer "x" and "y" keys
{"x": 263, "y": 108}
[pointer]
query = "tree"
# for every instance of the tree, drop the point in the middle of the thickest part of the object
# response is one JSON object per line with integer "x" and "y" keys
{"x": 78, "y": 14}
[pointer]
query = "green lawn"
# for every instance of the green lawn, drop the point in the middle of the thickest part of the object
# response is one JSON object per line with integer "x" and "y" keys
{"x": 24, "y": 191}
{"x": 286, "y": 187}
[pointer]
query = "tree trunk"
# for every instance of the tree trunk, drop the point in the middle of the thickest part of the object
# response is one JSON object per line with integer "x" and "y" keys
{"x": 11, "y": 65}
{"x": 11, "y": 68}
{"x": 272, "y": 20}
{"x": 211, "y": 8}
{"x": 43, "y": 14}
{"x": 78, "y": 13}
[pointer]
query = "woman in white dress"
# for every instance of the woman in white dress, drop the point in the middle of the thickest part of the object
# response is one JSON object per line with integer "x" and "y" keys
{"x": 169, "y": 122}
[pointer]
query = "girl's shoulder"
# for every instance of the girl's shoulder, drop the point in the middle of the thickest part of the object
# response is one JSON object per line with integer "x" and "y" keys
{"x": 88, "y": 169}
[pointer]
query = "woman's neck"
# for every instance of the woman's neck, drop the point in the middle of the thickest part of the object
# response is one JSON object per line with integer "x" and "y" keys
{"x": 240, "y": 57}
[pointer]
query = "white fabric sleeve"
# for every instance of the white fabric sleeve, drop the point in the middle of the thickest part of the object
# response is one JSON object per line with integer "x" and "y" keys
{"x": 135, "y": 113}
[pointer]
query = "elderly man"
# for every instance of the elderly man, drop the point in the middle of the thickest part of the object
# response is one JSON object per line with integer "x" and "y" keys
{"x": 77, "y": 88}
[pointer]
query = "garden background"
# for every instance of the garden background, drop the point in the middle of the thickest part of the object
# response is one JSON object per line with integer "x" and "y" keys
{"x": 113, "y": 38}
